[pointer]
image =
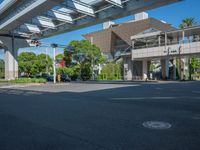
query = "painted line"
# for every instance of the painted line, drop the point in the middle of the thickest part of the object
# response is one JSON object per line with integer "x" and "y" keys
{"x": 159, "y": 88}
{"x": 152, "y": 98}
{"x": 198, "y": 92}
{"x": 141, "y": 98}
{"x": 12, "y": 86}
{"x": 158, "y": 125}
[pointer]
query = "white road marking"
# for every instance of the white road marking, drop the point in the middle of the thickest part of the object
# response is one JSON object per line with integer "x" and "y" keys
{"x": 159, "y": 125}
{"x": 196, "y": 92}
{"x": 141, "y": 98}
{"x": 12, "y": 86}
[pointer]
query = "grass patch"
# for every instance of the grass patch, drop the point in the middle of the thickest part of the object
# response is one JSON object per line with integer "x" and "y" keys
{"x": 29, "y": 80}
{"x": 3, "y": 81}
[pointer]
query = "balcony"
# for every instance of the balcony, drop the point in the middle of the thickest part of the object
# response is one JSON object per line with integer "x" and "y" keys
{"x": 176, "y": 43}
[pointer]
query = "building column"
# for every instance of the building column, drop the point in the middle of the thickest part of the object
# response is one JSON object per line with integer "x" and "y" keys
{"x": 11, "y": 65}
{"x": 128, "y": 69}
{"x": 174, "y": 69}
{"x": 185, "y": 68}
{"x": 165, "y": 68}
{"x": 144, "y": 69}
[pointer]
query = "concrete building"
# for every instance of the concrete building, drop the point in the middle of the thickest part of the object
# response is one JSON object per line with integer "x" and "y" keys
{"x": 115, "y": 40}
{"x": 173, "y": 48}
{"x": 145, "y": 39}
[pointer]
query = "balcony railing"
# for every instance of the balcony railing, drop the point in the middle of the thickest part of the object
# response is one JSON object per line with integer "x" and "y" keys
{"x": 167, "y": 44}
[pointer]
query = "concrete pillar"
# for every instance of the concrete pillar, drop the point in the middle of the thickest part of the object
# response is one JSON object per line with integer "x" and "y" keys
{"x": 144, "y": 69}
{"x": 159, "y": 40}
{"x": 11, "y": 46}
{"x": 128, "y": 69}
{"x": 11, "y": 65}
{"x": 174, "y": 69}
{"x": 137, "y": 70}
{"x": 165, "y": 68}
{"x": 185, "y": 68}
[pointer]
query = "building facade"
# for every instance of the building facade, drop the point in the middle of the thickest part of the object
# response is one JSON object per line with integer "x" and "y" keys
{"x": 115, "y": 40}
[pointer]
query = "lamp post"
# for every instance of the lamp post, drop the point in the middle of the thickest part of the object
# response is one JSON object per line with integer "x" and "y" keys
{"x": 54, "y": 46}
{"x": 47, "y": 60}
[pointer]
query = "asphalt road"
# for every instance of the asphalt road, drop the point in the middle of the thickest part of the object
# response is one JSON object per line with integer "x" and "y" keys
{"x": 100, "y": 116}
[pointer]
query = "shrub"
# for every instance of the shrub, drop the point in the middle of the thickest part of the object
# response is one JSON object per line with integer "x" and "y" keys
{"x": 29, "y": 80}
{"x": 111, "y": 71}
{"x": 73, "y": 71}
{"x": 196, "y": 75}
{"x": 2, "y": 75}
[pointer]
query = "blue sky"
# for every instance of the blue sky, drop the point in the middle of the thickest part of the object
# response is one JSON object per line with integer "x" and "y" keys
{"x": 172, "y": 14}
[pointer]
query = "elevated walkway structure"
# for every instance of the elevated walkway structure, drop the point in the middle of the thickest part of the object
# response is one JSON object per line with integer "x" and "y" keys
{"x": 36, "y": 19}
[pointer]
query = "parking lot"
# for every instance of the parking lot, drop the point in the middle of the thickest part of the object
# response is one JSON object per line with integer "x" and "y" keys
{"x": 100, "y": 115}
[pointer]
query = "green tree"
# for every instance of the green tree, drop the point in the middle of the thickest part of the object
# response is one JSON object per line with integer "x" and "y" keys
{"x": 112, "y": 71}
{"x": 31, "y": 64}
{"x": 43, "y": 63}
{"x": 59, "y": 57}
{"x": 188, "y": 22}
{"x": 67, "y": 57}
{"x": 152, "y": 67}
{"x": 2, "y": 68}
{"x": 195, "y": 64}
{"x": 84, "y": 47}
{"x": 87, "y": 55}
{"x": 26, "y": 61}
{"x": 86, "y": 71}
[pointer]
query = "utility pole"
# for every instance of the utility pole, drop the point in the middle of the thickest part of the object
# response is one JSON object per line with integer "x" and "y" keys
{"x": 54, "y": 65}
{"x": 54, "y": 46}
{"x": 47, "y": 60}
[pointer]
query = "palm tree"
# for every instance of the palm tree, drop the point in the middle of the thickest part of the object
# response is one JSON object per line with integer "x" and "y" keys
{"x": 188, "y": 22}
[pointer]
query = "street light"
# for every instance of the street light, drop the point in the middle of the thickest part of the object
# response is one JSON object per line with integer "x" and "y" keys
{"x": 54, "y": 46}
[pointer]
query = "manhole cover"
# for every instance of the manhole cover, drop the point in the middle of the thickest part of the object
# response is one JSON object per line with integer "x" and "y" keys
{"x": 157, "y": 125}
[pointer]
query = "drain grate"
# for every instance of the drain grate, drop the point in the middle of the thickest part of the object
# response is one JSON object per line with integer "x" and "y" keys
{"x": 159, "y": 125}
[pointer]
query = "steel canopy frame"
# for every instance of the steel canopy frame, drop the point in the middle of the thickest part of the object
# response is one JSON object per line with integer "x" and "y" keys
{"x": 58, "y": 16}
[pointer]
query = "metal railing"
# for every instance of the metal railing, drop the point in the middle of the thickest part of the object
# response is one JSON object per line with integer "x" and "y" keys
{"x": 173, "y": 42}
